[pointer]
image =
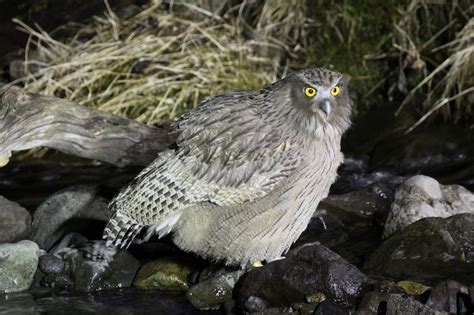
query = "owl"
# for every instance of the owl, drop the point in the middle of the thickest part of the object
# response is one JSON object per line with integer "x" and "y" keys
{"x": 248, "y": 171}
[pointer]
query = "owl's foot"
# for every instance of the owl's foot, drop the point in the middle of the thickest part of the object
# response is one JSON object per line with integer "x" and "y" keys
{"x": 257, "y": 264}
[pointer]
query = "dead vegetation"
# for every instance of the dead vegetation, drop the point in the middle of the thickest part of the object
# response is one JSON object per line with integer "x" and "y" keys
{"x": 155, "y": 62}
{"x": 440, "y": 58}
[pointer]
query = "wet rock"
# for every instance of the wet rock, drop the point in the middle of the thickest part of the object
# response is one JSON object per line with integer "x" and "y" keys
{"x": 93, "y": 267}
{"x": 350, "y": 224}
{"x": 69, "y": 210}
{"x": 422, "y": 196}
{"x": 361, "y": 208}
{"x": 393, "y": 304}
{"x": 211, "y": 293}
{"x": 51, "y": 264}
{"x": 256, "y": 304}
{"x": 18, "y": 264}
{"x": 73, "y": 240}
{"x": 330, "y": 307}
{"x": 213, "y": 271}
{"x": 373, "y": 303}
{"x": 306, "y": 271}
{"x": 15, "y": 221}
{"x": 164, "y": 274}
{"x": 446, "y": 296}
{"x": 305, "y": 308}
{"x": 428, "y": 251}
{"x": 353, "y": 165}
{"x": 276, "y": 311}
{"x": 400, "y": 304}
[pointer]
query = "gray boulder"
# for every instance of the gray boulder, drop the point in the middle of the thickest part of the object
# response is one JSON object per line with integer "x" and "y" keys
{"x": 307, "y": 271}
{"x": 213, "y": 292}
{"x": 428, "y": 251}
{"x": 15, "y": 221}
{"x": 51, "y": 217}
{"x": 90, "y": 267}
{"x": 421, "y": 197}
{"x": 18, "y": 264}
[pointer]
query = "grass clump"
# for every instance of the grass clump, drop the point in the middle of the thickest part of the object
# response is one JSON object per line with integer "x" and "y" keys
{"x": 157, "y": 61}
{"x": 152, "y": 65}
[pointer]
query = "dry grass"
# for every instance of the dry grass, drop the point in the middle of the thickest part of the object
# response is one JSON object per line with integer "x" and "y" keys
{"x": 452, "y": 82}
{"x": 160, "y": 61}
{"x": 151, "y": 66}
{"x": 444, "y": 72}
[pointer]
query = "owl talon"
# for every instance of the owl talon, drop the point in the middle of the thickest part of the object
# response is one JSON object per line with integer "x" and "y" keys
{"x": 257, "y": 264}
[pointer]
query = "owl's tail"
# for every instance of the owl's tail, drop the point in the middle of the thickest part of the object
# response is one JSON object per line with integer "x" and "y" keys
{"x": 121, "y": 230}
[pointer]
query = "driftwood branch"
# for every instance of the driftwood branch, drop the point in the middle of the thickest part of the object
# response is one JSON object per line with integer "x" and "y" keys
{"x": 30, "y": 120}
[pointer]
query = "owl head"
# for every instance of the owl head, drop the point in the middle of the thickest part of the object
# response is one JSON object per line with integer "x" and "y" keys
{"x": 318, "y": 100}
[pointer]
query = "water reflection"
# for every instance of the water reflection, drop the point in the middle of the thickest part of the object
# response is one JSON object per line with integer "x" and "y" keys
{"x": 122, "y": 301}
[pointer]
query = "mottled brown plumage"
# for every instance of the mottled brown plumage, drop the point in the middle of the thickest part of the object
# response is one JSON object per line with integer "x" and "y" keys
{"x": 249, "y": 170}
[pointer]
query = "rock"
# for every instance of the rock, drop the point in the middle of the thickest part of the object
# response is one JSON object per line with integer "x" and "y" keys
{"x": 329, "y": 307}
{"x": 213, "y": 271}
{"x": 306, "y": 271}
{"x": 73, "y": 240}
{"x": 93, "y": 267}
{"x": 393, "y": 304}
{"x": 164, "y": 274}
{"x": 373, "y": 303}
{"x": 350, "y": 224}
{"x": 211, "y": 293}
{"x": 256, "y": 304}
{"x": 15, "y": 221}
{"x": 18, "y": 264}
{"x": 428, "y": 251}
{"x": 471, "y": 293}
{"x": 422, "y": 196}
{"x": 275, "y": 311}
{"x": 51, "y": 264}
{"x": 306, "y": 308}
{"x": 400, "y": 304}
{"x": 361, "y": 207}
{"x": 445, "y": 297}
{"x": 54, "y": 217}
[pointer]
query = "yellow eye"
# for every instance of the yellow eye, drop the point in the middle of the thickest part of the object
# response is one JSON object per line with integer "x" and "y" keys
{"x": 310, "y": 92}
{"x": 335, "y": 90}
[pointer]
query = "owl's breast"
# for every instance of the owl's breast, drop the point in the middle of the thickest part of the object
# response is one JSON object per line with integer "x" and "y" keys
{"x": 311, "y": 182}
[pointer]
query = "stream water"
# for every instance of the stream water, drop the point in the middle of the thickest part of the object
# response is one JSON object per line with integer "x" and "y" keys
{"x": 123, "y": 301}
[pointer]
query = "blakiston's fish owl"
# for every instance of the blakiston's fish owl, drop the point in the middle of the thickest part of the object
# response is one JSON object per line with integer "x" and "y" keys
{"x": 249, "y": 171}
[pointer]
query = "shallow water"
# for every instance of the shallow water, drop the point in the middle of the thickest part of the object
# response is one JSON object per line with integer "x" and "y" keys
{"x": 123, "y": 301}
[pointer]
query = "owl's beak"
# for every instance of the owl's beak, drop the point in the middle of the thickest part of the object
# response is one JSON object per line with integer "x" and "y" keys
{"x": 325, "y": 105}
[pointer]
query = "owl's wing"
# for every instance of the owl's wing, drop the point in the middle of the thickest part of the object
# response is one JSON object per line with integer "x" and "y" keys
{"x": 227, "y": 154}
{"x": 233, "y": 152}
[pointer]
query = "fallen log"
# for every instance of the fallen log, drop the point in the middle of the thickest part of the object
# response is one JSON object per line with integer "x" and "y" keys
{"x": 30, "y": 120}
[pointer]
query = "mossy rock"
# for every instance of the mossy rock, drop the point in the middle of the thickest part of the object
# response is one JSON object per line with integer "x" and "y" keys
{"x": 164, "y": 274}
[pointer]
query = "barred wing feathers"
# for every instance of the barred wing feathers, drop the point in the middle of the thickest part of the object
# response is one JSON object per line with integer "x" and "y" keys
{"x": 227, "y": 154}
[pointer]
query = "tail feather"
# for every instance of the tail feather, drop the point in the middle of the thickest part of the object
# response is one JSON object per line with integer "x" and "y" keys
{"x": 121, "y": 230}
